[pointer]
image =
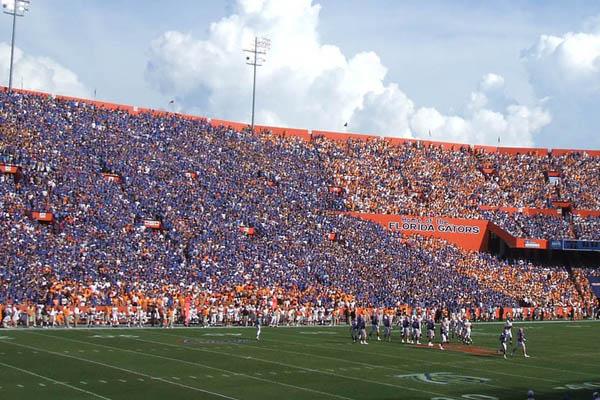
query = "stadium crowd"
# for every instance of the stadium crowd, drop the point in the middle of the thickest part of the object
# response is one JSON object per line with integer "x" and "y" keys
{"x": 380, "y": 177}
{"x": 248, "y": 222}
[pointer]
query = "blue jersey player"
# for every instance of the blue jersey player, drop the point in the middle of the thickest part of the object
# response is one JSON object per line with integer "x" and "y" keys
{"x": 362, "y": 329}
{"x": 430, "y": 331}
{"x": 503, "y": 340}
{"x": 416, "y": 328}
{"x": 374, "y": 325}
{"x": 521, "y": 339}
{"x": 354, "y": 331}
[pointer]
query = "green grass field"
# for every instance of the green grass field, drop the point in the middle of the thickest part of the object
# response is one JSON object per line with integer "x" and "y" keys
{"x": 291, "y": 363}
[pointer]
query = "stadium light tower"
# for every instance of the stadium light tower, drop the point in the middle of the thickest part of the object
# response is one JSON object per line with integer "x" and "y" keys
{"x": 261, "y": 45}
{"x": 18, "y": 9}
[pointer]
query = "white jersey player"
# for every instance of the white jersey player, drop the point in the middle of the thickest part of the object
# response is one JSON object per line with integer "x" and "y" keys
{"x": 467, "y": 331}
{"x": 508, "y": 329}
{"x": 444, "y": 330}
{"x": 114, "y": 316}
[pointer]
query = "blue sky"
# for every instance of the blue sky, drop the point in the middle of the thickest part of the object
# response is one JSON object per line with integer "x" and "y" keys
{"x": 462, "y": 70}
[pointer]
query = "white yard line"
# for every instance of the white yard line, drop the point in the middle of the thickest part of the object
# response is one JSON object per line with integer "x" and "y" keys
{"x": 195, "y": 364}
{"x": 493, "y": 359}
{"x": 257, "y": 359}
{"x": 355, "y": 378}
{"x": 498, "y": 360}
{"x": 124, "y": 370}
{"x": 341, "y": 360}
{"x": 302, "y": 368}
{"x": 54, "y": 381}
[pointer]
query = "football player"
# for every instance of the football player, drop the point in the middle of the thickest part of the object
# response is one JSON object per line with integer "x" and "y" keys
{"x": 430, "y": 331}
{"x": 508, "y": 329}
{"x": 387, "y": 325}
{"x": 502, "y": 349}
{"x": 521, "y": 342}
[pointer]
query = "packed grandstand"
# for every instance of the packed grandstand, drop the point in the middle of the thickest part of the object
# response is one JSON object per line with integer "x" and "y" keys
{"x": 127, "y": 209}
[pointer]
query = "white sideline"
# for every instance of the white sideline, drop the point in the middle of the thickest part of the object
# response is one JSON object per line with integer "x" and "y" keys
{"x": 125, "y": 370}
{"x": 195, "y": 327}
{"x": 54, "y": 381}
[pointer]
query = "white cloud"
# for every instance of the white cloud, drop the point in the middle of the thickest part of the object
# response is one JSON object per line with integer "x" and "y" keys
{"x": 305, "y": 83}
{"x": 566, "y": 70}
{"x": 565, "y": 63}
{"x": 491, "y": 82}
{"x": 39, "y": 73}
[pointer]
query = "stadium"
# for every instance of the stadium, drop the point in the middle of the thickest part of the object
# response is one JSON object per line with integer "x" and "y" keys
{"x": 152, "y": 253}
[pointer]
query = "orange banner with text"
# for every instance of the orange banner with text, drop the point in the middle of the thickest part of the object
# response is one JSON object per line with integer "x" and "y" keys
{"x": 466, "y": 233}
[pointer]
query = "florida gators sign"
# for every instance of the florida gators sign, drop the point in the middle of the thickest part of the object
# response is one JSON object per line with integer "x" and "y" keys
{"x": 466, "y": 233}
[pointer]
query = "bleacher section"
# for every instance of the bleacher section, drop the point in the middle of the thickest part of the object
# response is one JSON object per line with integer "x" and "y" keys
{"x": 115, "y": 205}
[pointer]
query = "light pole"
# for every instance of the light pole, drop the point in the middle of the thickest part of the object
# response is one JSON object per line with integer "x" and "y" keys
{"x": 261, "y": 45}
{"x": 19, "y": 8}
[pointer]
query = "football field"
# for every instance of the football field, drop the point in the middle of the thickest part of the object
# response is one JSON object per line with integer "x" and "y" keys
{"x": 293, "y": 363}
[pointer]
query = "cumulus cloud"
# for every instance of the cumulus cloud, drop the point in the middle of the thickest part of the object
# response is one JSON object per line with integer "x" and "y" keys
{"x": 306, "y": 83}
{"x": 565, "y": 70}
{"x": 491, "y": 82}
{"x": 39, "y": 73}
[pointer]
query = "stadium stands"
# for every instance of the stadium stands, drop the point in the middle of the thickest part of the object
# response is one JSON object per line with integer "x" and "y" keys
{"x": 156, "y": 209}
{"x": 379, "y": 177}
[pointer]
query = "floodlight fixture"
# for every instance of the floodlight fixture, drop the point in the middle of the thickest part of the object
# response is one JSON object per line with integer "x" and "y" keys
{"x": 18, "y": 9}
{"x": 255, "y": 59}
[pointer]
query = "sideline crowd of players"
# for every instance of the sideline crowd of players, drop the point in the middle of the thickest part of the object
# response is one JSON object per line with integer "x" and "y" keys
{"x": 170, "y": 314}
{"x": 457, "y": 327}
